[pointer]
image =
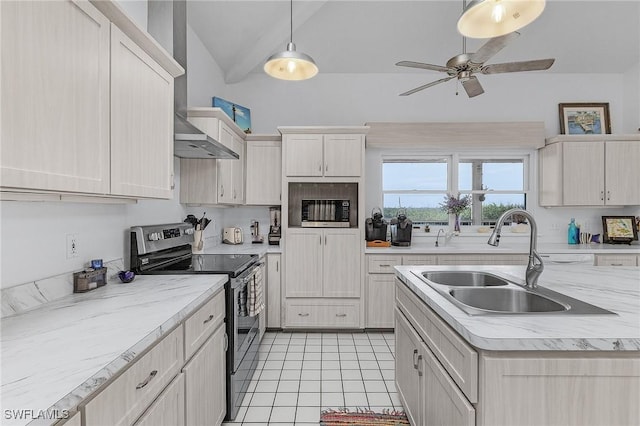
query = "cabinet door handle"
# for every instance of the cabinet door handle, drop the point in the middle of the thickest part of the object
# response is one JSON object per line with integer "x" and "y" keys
{"x": 277, "y": 266}
{"x": 300, "y": 314}
{"x": 234, "y": 194}
{"x": 226, "y": 342}
{"x": 173, "y": 181}
{"x": 326, "y": 167}
{"x": 601, "y": 195}
{"x": 146, "y": 381}
{"x": 608, "y": 195}
{"x": 341, "y": 315}
{"x": 208, "y": 319}
{"x": 325, "y": 240}
{"x": 320, "y": 239}
{"x": 415, "y": 362}
{"x": 419, "y": 365}
{"x": 222, "y": 190}
{"x": 320, "y": 167}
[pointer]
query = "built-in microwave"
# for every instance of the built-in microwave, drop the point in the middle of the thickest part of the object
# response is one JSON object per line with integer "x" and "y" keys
{"x": 326, "y": 213}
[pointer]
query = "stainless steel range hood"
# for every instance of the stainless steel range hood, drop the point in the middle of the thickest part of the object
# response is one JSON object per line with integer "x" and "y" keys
{"x": 167, "y": 23}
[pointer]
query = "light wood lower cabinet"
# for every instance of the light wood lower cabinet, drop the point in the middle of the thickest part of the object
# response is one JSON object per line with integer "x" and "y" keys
{"x": 616, "y": 260}
{"x": 160, "y": 389}
{"x": 128, "y": 396}
{"x": 437, "y": 372}
{"x": 325, "y": 313}
{"x": 168, "y": 408}
{"x": 274, "y": 295}
{"x": 205, "y": 382}
{"x": 379, "y": 297}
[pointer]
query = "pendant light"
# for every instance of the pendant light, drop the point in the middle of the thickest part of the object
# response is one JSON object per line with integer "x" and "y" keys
{"x": 290, "y": 64}
{"x": 493, "y": 18}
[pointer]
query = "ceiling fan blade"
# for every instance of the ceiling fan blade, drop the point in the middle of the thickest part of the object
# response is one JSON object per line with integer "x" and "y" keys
{"x": 423, "y": 66}
{"x": 492, "y": 47}
{"x": 534, "y": 65}
{"x": 473, "y": 87}
{"x": 433, "y": 83}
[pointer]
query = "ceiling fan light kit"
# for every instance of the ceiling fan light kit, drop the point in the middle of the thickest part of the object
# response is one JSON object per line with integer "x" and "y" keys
{"x": 291, "y": 64}
{"x": 493, "y": 18}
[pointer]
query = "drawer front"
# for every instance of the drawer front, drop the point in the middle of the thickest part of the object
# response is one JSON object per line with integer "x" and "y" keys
{"x": 320, "y": 313}
{"x": 124, "y": 399}
{"x": 377, "y": 264}
{"x": 619, "y": 260}
{"x": 417, "y": 259}
{"x": 199, "y": 326}
{"x": 168, "y": 409}
{"x": 458, "y": 358}
{"x": 484, "y": 259}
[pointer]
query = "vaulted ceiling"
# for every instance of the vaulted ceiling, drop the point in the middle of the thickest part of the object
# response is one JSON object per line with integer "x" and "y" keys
{"x": 371, "y": 36}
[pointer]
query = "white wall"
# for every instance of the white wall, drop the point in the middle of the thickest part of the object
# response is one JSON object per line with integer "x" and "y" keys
{"x": 631, "y": 100}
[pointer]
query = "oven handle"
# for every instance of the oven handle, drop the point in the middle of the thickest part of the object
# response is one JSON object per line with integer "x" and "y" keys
{"x": 246, "y": 275}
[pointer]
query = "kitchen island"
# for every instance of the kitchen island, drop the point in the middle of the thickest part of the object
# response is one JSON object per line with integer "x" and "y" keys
{"x": 57, "y": 355}
{"x": 535, "y": 369}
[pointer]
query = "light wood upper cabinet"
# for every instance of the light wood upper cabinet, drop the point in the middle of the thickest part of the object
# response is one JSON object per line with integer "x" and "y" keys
{"x": 214, "y": 181}
{"x": 55, "y": 96}
{"x": 264, "y": 172}
{"x": 594, "y": 170}
{"x": 87, "y": 96}
{"x": 323, "y": 152}
{"x": 141, "y": 122}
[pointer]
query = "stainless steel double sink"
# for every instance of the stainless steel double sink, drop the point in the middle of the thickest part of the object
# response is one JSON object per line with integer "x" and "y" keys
{"x": 483, "y": 293}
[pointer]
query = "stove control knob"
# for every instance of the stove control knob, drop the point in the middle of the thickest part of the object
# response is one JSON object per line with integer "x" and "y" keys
{"x": 188, "y": 231}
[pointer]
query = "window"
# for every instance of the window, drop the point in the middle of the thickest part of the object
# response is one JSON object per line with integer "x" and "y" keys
{"x": 496, "y": 185}
{"x": 419, "y": 185}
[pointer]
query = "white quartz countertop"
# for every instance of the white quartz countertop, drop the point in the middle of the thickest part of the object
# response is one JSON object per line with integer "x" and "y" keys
{"x": 513, "y": 245}
{"x": 613, "y": 288}
{"x": 56, "y": 355}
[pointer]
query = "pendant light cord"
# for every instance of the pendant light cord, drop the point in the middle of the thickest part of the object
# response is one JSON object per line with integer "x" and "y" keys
{"x": 464, "y": 39}
{"x": 291, "y": 23}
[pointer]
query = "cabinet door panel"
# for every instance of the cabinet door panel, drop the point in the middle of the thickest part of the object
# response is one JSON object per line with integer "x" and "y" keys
{"x": 343, "y": 155}
{"x": 264, "y": 173}
{"x": 623, "y": 174}
{"x": 407, "y": 344}
{"x": 168, "y": 409}
{"x": 583, "y": 174}
{"x": 341, "y": 258}
{"x": 444, "y": 404}
{"x": 141, "y": 122}
{"x": 303, "y": 155}
{"x": 273, "y": 290}
{"x": 205, "y": 383}
{"x": 55, "y": 96}
{"x": 225, "y": 167}
{"x": 380, "y": 301}
{"x": 303, "y": 255}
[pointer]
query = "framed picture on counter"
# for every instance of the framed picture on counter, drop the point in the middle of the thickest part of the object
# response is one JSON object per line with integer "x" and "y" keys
{"x": 619, "y": 229}
{"x": 584, "y": 119}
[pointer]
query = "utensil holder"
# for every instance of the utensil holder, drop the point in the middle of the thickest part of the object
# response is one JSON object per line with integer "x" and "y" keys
{"x": 197, "y": 247}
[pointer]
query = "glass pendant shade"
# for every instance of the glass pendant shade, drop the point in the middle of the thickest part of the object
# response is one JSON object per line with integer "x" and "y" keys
{"x": 493, "y": 18}
{"x": 291, "y": 65}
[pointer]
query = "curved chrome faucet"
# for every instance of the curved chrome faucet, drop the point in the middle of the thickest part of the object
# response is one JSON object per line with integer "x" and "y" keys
{"x": 438, "y": 236}
{"x": 535, "y": 265}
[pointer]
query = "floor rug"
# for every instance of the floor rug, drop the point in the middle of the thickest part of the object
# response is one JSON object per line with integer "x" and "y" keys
{"x": 362, "y": 417}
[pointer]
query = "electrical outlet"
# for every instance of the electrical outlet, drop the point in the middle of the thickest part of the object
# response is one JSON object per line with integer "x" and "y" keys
{"x": 72, "y": 246}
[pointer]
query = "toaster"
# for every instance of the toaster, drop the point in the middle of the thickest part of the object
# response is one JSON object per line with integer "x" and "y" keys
{"x": 232, "y": 235}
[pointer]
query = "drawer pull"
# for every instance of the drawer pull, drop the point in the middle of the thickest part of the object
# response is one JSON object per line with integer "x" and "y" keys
{"x": 617, "y": 264}
{"x": 415, "y": 362}
{"x": 341, "y": 315}
{"x": 208, "y": 319}
{"x": 147, "y": 380}
{"x": 303, "y": 315}
{"x": 385, "y": 266}
{"x": 419, "y": 365}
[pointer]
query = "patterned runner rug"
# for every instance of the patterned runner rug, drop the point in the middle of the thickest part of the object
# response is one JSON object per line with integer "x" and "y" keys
{"x": 362, "y": 417}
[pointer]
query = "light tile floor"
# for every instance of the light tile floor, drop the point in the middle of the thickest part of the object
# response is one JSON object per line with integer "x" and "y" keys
{"x": 300, "y": 374}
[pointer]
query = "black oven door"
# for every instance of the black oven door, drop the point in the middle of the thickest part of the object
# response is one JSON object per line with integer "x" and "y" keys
{"x": 245, "y": 327}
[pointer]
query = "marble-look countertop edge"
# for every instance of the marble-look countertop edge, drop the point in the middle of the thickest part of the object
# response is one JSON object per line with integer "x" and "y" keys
{"x": 506, "y": 248}
{"x": 452, "y": 315}
{"x": 209, "y": 284}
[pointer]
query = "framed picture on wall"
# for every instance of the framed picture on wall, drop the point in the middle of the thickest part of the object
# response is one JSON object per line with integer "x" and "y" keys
{"x": 619, "y": 229}
{"x": 584, "y": 118}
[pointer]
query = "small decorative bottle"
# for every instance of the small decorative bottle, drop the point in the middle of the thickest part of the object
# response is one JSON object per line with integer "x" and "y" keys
{"x": 573, "y": 232}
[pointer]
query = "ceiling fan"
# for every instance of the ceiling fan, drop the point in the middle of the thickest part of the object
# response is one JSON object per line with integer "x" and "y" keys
{"x": 465, "y": 65}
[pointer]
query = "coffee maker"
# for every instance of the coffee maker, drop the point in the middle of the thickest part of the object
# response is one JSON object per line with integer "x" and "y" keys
{"x": 274, "y": 226}
{"x": 375, "y": 226}
{"x": 401, "y": 227}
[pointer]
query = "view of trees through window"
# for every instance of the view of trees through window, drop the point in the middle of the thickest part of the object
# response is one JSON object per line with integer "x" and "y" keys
{"x": 420, "y": 186}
